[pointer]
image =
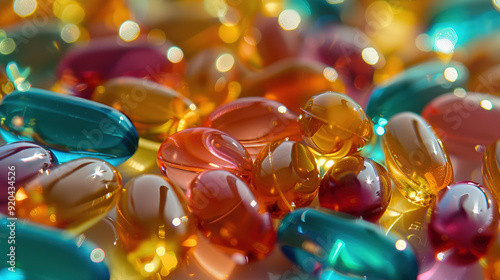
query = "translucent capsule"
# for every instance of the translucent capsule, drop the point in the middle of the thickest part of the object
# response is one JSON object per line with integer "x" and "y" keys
{"x": 185, "y": 154}
{"x": 72, "y": 196}
{"x": 155, "y": 227}
{"x": 332, "y": 123}
{"x": 155, "y": 110}
{"x": 356, "y": 186}
{"x": 416, "y": 160}
{"x": 255, "y": 122}
{"x": 463, "y": 122}
{"x": 44, "y": 253}
{"x": 285, "y": 177}
{"x": 71, "y": 127}
{"x": 491, "y": 169}
{"x": 414, "y": 88}
{"x": 230, "y": 216}
{"x": 465, "y": 220}
{"x": 21, "y": 162}
{"x": 333, "y": 245}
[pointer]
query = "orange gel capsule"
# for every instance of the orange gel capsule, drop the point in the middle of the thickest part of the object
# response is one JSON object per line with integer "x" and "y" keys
{"x": 155, "y": 110}
{"x": 73, "y": 196}
{"x": 491, "y": 169}
{"x": 285, "y": 177}
{"x": 416, "y": 159}
{"x": 154, "y": 225}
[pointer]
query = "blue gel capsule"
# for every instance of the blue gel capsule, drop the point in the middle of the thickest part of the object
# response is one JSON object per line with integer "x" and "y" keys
{"x": 332, "y": 245}
{"x": 71, "y": 127}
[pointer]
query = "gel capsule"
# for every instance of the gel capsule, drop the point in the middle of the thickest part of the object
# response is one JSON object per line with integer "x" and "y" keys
{"x": 335, "y": 245}
{"x": 356, "y": 186}
{"x": 71, "y": 127}
{"x": 185, "y": 154}
{"x": 45, "y": 253}
{"x": 464, "y": 219}
{"x": 464, "y": 123}
{"x": 285, "y": 177}
{"x": 255, "y": 122}
{"x": 416, "y": 160}
{"x": 73, "y": 196}
{"x": 332, "y": 123}
{"x": 230, "y": 216}
{"x": 491, "y": 169}
{"x": 154, "y": 225}
{"x": 155, "y": 110}
{"x": 414, "y": 88}
{"x": 20, "y": 162}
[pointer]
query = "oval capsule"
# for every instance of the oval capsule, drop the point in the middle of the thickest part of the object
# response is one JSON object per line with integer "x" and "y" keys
{"x": 73, "y": 196}
{"x": 332, "y": 123}
{"x": 185, "y": 154}
{"x": 414, "y": 88}
{"x": 464, "y": 219}
{"x": 255, "y": 122}
{"x": 334, "y": 245}
{"x": 71, "y": 127}
{"x": 46, "y": 253}
{"x": 490, "y": 169}
{"x": 285, "y": 177}
{"x": 230, "y": 216}
{"x": 155, "y": 110}
{"x": 357, "y": 186}
{"x": 465, "y": 123}
{"x": 415, "y": 158}
{"x": 155, "y": 227}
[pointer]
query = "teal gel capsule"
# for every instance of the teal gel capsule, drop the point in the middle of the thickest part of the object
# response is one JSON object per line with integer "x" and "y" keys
{"x": 39, "y": 253}
{"x": 414, "y": 88}
{"x": 71, "y": 127}
{"x": 333, "y": 245}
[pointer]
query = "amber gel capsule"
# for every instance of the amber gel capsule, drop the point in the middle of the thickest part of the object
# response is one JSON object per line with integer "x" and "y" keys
{"x": 416, "y": 159}
{"x": 491, "y": 169}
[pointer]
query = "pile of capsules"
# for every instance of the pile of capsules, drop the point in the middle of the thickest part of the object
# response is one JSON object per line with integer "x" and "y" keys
{"x": 238, "y": 139}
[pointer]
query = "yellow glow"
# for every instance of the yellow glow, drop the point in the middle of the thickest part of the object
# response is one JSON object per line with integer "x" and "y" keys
{"x": 156, "y": 37}
{"x": 379, "y": 14}
{"x": 216, "y": 8}
{"x": 73, "y": 13}
{"x": 328, "y": 164}
{"x": 330, "y": 74}
{"x": 149, "y": 267}
{"x": 229, "y": 34}
{"x": 129, "y": 31}
{"x": 440, "y": 256}
{"x": 160, "y": 251}
{"x": 7, "y": 46}
{"x": 192, "y": 106}
{"x": 370, "y": 56}
{"x": 400, "y": 244}
{"x": 97, "y": 255}
{"x": 175, "y": 54}
{"x": 486, "y": 104}
{"x": 52, "y": 218}
{"x": 191, "y": 242}
{"x": 213, "y": 165}
{"x": 289, "y": 19}
{"x": 282, "y": 109}
{"x": 451, "y": 74}
{"x": 176, "y": 222}
{"x": 70, "y": 33}
{"x": 231, "y": 17}
{"x": 169, "y": 260}
{"x": 24, "y": 8}
{"x": 271, "y": 8}
{"x": 224, "y": 62}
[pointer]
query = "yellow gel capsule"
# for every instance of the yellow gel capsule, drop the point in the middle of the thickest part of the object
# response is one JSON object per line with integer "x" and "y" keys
{"x": 73, "y": 196}
{"x": 491, "y": 169}
{"x": 416, "y": 159}
{"x": 155, "y": 110}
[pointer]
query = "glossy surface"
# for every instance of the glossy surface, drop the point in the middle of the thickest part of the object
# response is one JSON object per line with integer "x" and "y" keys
{"x": 154, "y": 224}
{"x": 490, "y": 169}
{"x": 20, "y": 162}
{"x": 229, "y": 215}
{"x": 73, "y": 196}
{"x": 285, "y": 177}
{"x": 334, "y": 245}
{"x": 185, "y": 154}
{"x": 415, "y": 158}
{"x": 414, "y": 88}
{"x": 464, "y": 219}
{"x": 357, "y": 186}
{"x": 465, "y": 123}
{"x": 155, "y": 110}
{"x": 255, "y": 122}
{"x": 332, "y": 123}
{"x": 71, "y": 127}
{"x": 44, "y": 253}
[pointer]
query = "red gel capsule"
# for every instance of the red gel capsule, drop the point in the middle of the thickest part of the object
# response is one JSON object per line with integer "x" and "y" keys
{"x": 229, "y": 215}
{"x": 255, "y": 122}
{"x": 464, "y": 219}
{"x": 356, "y": 186}
{"x": 185, "y": 154}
